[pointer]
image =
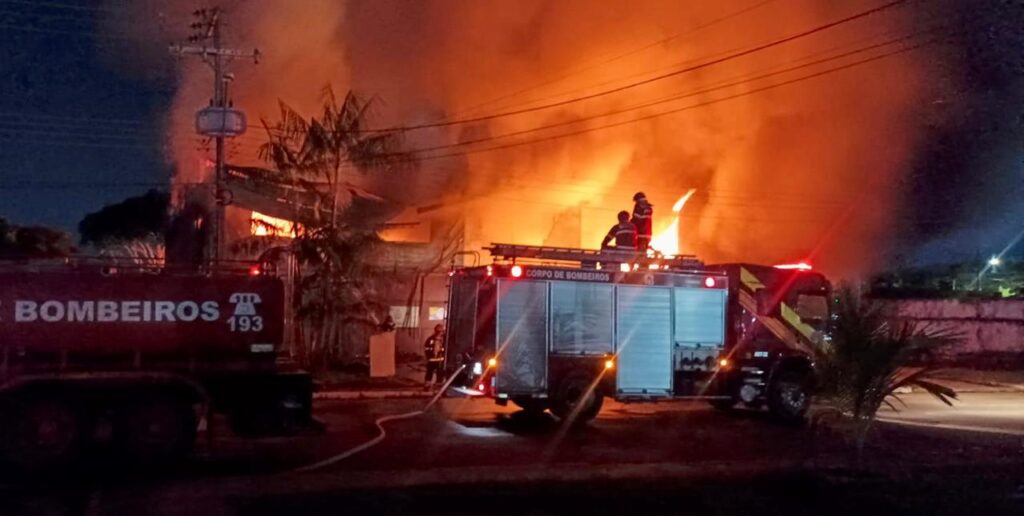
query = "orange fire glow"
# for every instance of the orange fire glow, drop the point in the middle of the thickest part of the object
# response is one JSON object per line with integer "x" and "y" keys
{"x": 265, "y": 225}
{"x": 667, "y": 240}
{"x": 776, "y": 167}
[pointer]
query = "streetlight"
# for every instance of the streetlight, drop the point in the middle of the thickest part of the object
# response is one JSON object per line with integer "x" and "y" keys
{"x": 993, "y": 262}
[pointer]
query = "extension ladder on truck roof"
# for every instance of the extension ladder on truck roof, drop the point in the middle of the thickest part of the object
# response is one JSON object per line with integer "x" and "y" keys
{"x": 590, "y": 258}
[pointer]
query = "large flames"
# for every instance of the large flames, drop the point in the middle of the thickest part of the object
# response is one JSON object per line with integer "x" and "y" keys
{"x": 775, "y": 169}
{"x": 666, "y": 241}
{"x": 265, "y": 225}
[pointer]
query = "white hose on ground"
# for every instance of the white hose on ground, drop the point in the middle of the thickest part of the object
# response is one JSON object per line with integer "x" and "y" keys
{"x": 380, "y": 426}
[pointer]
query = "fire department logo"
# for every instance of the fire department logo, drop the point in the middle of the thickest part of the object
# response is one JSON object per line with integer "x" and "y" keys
{"x": 245, "y": 303}
{"x": 245, "y": 318}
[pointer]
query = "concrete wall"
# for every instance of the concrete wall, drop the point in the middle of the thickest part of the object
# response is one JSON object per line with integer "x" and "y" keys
{"x": 993, "y": 330}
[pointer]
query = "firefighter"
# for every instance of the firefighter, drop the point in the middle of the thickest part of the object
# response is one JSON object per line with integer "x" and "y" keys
{"x": 624, "y": 233}
{"x": 643, "y": 216}
{"x": 433, "y": 349}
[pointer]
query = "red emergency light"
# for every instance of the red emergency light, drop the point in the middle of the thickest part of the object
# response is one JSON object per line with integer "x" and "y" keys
{"x": 710, "y": 282}
{"x": 801, "y": 266}
{"x": 516, "y": 271}
{"x": 255, "y": 270}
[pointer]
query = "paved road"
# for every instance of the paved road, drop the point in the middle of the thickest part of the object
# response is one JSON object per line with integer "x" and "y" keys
{"x": 473, "y": 448}
{"x": 994, "y": 412}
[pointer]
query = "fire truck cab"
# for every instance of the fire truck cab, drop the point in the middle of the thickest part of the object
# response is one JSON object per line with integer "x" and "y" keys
{"x": 560, "y": 329}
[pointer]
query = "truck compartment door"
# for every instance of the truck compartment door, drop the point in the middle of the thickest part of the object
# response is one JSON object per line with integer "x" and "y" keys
{"x": 582, "y": 321}
{"x": 522, "y": 336}
{"x": 643, "y": 341}
{"x": 699, "y": 327}
{"x": 462, "y": 311}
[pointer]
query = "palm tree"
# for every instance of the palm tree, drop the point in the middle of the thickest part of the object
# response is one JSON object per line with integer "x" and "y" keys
{"x": 315, "y": 155}
{"x": 311, "y": 159}
{"x": 866, "y": 361}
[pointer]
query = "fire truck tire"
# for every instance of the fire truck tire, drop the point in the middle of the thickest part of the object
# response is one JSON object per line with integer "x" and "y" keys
{"x": 40, "y": 432}
{"x": 576, "y": 389}
{"x": 789, "y": 397}
{"x": 531, "y": 406}
{"x": 159, "y": 428}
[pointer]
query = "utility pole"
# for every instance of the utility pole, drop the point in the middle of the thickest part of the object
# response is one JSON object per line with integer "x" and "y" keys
{"x": 220, "y": 120}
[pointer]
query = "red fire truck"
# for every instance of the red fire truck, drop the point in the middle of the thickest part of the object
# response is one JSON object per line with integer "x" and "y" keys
{"x": 560, "y": 329}
{"x": 135, "y": 355}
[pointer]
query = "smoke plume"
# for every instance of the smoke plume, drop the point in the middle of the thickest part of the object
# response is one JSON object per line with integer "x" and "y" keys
{"x": 803, "y": 171}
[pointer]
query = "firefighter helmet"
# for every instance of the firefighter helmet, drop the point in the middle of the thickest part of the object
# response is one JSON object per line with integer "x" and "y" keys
{"x": 639, "y": 195}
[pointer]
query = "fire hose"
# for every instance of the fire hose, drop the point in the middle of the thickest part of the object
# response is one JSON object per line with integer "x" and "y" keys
{"x": 380, "y": 427}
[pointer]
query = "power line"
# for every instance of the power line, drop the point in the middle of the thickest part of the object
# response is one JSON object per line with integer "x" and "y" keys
{"x": 677, "y": 110}
{"x": 624, "y": 55}
{"x": 87, "y": 186}
{"x": 672, "y": 98}
{"x": 98, "y": 131}
{"x": 5, "y": 12}
{"x": 672, "y": 66}
{"x": 636, "y": 84}
{"x": 680, "y": 96}
{"x": 668, "y": 99}
{"x": 27, "y": 140}
{"x": 71, "y": 119}
{"x": 409, "y": 154}
{"x": 55, "y": 5}
{"x": 63, "y": 32}
{"x": 739, "y": 220}
{"x": 719, "y": 86}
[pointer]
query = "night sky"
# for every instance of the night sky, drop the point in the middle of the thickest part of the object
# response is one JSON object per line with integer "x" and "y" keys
{"x": 77, "y": 132}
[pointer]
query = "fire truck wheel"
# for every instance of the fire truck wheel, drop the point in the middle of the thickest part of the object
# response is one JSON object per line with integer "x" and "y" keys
{"x": 576, "y": 399}
{"x": 789, "y": 397}
{"x": 40, "y": 433}
{"x": 157, "y": 428}
{"x": 531, "y": 406}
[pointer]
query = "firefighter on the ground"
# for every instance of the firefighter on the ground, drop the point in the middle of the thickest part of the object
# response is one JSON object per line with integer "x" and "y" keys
{"x": 643, "y": 215}
{"x": 624, "y": 233}
{"x": 433, "y": 349}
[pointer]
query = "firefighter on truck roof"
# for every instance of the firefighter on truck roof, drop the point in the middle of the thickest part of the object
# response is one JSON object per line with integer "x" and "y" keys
{"x": 624, "y": 233}
{"x": 643, "y": 215}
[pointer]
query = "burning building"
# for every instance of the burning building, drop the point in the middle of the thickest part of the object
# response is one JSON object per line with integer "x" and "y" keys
{"x": 782, "y": 126}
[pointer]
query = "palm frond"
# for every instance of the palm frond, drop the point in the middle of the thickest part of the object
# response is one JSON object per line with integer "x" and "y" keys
{"x": 941, "y": 392}
{"x": 866, "y": 360}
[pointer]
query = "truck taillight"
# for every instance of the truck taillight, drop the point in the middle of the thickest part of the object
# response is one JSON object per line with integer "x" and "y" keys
{"x": 255, "y": 270}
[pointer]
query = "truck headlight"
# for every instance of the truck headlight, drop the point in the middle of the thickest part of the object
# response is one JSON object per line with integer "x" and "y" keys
{"x": 478, "y": 368}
